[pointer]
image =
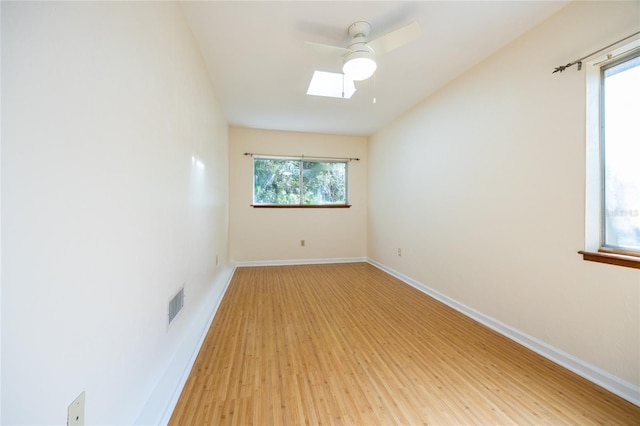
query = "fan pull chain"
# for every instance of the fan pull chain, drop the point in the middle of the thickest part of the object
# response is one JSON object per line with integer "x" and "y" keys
{"x": 374, "y": 89}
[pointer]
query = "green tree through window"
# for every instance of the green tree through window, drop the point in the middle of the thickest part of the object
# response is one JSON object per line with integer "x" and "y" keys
{"x": 280, "y": 181}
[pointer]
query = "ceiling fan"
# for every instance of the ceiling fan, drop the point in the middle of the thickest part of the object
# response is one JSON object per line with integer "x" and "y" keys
{"x": 359, "y": 57}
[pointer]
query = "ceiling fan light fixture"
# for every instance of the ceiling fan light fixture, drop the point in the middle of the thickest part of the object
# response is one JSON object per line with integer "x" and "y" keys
{"x": 359, "y": 65}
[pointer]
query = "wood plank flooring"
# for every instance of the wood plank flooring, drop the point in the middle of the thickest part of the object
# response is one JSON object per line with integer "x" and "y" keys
{"x": 347, "y": 344}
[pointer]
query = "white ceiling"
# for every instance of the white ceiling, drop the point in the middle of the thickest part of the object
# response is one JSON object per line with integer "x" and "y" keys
{"x": 260, "y": 67}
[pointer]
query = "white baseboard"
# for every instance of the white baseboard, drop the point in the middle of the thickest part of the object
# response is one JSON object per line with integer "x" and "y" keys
{"x": 602, "y": 378}
{"x": 163, "y": 399}
{"x": 300, "y": 261}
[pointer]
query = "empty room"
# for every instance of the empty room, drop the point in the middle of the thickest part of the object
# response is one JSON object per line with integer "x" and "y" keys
{"x": 320, "y": 212}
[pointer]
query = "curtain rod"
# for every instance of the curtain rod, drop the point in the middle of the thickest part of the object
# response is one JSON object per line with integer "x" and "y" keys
{"x": 579, "y": 61}
{"x": 301, "y": 157}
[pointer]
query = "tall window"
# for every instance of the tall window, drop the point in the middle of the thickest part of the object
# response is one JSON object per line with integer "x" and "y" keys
{"x": 299, "y": 182}
{"x": 620, "y": 144}
{"x": 612, "y": 233}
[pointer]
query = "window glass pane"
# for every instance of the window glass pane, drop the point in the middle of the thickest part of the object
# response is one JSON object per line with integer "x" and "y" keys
{"x": 324, "y": 182}
{"x": 621, "y": 116}
{"x": 276, "y": 181}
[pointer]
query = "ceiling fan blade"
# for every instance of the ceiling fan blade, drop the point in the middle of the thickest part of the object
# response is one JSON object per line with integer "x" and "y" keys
{"x": 327, "y": 49}
{"x": 395, "y": 39}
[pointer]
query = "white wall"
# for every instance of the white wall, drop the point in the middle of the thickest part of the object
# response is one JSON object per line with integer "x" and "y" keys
{"x": 274, "y": 234}
{"x": 104, "y": 213}
{"x": 482, "y": 186}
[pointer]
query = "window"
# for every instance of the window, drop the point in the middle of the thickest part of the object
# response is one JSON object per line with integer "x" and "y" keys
{"x": 620, "y": 139}
{"x": 297, "y": 182}
{"x": 613, "y": 158}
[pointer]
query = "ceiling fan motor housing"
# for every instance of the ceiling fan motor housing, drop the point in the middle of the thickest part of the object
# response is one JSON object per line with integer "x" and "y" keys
{"x": 360, "y": 63}
{"x": 359, "y": 31}
{"x": 360, "y": 28}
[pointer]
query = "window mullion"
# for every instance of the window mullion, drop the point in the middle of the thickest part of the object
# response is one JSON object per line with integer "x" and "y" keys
{"x": 300, "y": 182}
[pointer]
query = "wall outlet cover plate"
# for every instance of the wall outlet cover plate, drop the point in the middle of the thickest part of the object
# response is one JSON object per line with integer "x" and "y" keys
{"x": 75, "y": 412}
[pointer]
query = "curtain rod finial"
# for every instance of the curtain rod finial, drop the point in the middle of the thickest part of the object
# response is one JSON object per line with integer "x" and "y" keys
{"x": 561, "y": 68}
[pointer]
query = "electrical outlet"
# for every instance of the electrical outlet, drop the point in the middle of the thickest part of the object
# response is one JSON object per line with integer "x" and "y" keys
{"x": 302, "y": 243}
{"x": 75, "y": 412}
{"x": 399, "y": 252}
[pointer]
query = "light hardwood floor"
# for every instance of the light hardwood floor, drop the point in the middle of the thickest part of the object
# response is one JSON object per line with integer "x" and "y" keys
{"x": 349, "y": 344}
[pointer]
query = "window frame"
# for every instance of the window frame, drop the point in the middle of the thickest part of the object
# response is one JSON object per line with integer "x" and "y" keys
{"x": 595, "y": 249}
{"x": 301, "y": 160}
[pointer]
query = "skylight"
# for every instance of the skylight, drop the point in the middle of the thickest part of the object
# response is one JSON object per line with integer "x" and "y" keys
{"x": 331, "y": 84}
